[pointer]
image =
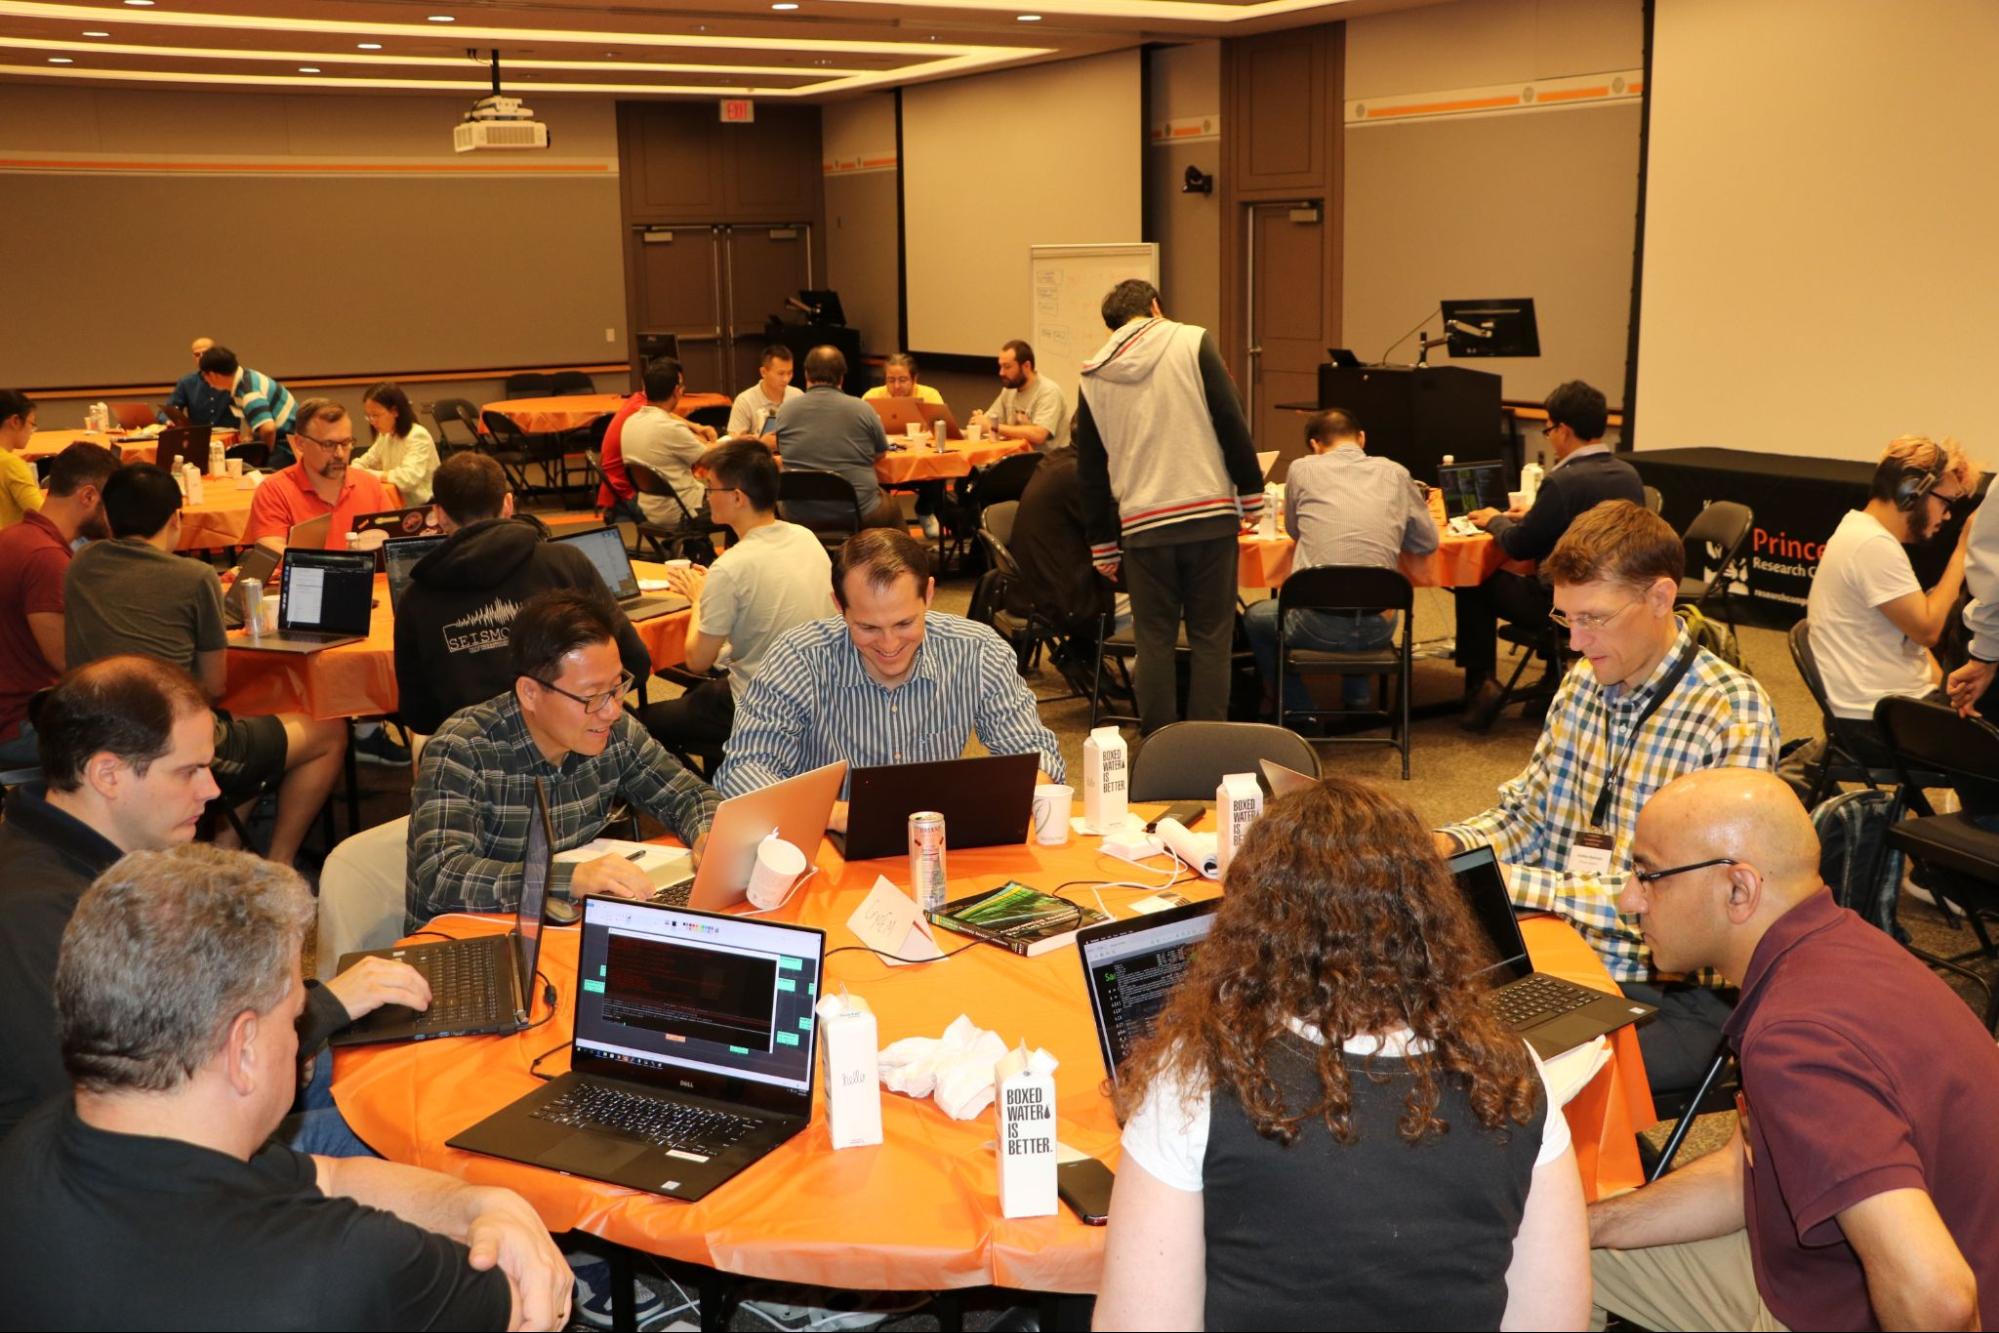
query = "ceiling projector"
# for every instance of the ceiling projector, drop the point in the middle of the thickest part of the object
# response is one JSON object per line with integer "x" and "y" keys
{"x": 498, "y": 121}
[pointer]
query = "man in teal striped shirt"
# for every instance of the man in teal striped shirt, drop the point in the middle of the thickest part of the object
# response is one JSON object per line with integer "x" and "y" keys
{"x": 263, "y": 406}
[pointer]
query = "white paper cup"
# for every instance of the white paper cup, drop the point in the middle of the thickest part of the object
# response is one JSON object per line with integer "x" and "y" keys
{"x": 680, "y": 564}
{"x": 1052, "y": 802}
{"x": 1516, "y": 499}
{"x": 267, "y": 615}
{"x": 232, "y": 467}
{"x": 778, "y": 866}
{"x": 975, "y": 430}
{"x": 915, "y": 431}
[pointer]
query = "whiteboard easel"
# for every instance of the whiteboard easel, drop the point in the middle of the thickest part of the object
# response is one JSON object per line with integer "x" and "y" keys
{"x": 1067, "y": 286}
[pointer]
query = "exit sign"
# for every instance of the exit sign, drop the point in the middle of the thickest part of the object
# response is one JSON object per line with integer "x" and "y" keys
{"x": 738, "y": 110}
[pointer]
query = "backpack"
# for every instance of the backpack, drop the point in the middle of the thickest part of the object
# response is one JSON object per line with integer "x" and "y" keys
{"x": 1863, "y": 872}
{"x": 1714, "y": 635}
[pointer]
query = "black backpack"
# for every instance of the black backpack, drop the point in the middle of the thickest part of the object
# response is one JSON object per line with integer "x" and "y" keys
{"x": 1855, "y": 861}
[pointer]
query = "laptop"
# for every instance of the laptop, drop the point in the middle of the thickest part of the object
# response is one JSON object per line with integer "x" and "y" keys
{"x": 257, "y": 566}
{"x": 986, "y": 802}
{"x": 606, "y": 549}
{"x": 1130, "y": 968}
{"x": 399, "y": 559}
{"x": 795, "y": 809}
{"x": 692, "y": 1057}
{"x": 1469, "y": 486}
{"x": 1282, "y": 781}
{"x": 393, "y": 523}
{"x": 1551, "y": 1014}
{"x": 325, "y": 599}
{"x": 932, "y": 413}
{"x": 479, "y": 985}
{"x": 182, "y": 444}
{"x": 310, "y": 535}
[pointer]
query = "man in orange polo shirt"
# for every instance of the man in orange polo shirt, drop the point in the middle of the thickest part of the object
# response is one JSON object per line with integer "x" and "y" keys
{"x": 319, "y": 483}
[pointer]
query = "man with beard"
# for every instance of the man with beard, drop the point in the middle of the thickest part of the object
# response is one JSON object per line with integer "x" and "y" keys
{"x": 319, "y": 483}
{"x": 1029, "y": 406}
{"x": 34, "y": 557}
{"x": 1872, "y": 624}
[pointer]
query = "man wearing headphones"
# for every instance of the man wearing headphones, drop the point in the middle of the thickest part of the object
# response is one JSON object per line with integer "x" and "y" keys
{"x": 1872, "y": 624}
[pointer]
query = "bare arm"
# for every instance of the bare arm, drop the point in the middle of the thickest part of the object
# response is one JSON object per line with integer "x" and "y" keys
{"x": 1916, "y": 1275}
{"x": 497, "y": 1224}
{"x": 703, "y": 650}
{"x": 1700, "y": 1201}
{"x": 1923, "y": 616}
{"x": 1548, "y": 1282}
{"x": 1155, "y": 1255}
{"x": 47, "y": 628}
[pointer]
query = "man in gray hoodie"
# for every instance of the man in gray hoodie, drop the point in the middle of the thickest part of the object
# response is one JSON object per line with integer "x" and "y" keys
{"x": 1169, "y": 478}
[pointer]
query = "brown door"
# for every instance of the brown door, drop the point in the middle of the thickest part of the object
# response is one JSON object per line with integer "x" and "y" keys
{"x": 761, "y": 267}
{"x": 677, "y": 273}
{"x": 1287, "y": 321}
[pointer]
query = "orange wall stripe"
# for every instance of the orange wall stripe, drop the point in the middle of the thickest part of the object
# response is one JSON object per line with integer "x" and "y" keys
{"x": 1434, "y": 108}
{"x": 305, "y": 168}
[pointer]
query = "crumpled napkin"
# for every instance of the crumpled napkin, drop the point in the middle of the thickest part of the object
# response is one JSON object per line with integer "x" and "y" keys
{"x": 954, "y": 1070}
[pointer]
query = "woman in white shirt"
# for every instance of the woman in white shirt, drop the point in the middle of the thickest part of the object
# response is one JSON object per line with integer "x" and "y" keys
{"x": 1326, "y": 1128}
{"x": 403, "y": 454}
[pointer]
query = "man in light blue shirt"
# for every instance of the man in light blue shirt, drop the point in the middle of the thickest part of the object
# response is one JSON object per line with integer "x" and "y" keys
{"x": 1343, "y": 508}
{"x": 887, "y": 681}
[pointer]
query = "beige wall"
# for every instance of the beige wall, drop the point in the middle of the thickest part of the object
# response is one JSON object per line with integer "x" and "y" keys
{"x": 1538, "y": 202}
{"x": 324, "y": 235}
{"x": 1183, "y": 128}
{"x": 862, "y": 236}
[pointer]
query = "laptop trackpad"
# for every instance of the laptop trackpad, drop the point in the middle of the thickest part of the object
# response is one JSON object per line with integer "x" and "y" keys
{"x": 593, "y": 1155}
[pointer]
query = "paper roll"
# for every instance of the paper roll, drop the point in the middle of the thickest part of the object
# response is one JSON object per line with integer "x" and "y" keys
{"x": 1198, "y": 850}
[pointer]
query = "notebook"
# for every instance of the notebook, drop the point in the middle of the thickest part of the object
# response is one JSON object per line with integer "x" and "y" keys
{"x": 692, "y": 1054}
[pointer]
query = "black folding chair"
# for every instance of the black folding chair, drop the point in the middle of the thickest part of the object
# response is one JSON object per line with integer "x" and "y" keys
{"x": 567, "y": 382}
{"x": 457, "y": 423}
{"x": 531, "y": 384}
{"x": 807, "y": 486}
{"x": 1351, "y": 590}
{"x": 1724, "y": 527}
{"x": 687, "y": 539}
{"x": 1186, "y": 761}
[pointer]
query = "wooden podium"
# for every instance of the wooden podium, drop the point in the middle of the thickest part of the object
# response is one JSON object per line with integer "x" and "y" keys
{"x": 1417, "y": 414}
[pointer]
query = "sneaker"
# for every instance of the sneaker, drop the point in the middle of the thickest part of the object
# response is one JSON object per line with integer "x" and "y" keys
{"x": 660, "y": 1299}
{"x": 378, "y": 747}
{"x": 930, "y": 528}
{"x": 830, "y": 1309}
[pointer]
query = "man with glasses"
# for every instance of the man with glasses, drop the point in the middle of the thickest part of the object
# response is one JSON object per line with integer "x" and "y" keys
{"x": 1859, "y": 1189}
{"x": 563, "y": 724}
{"x": 1584, "y": 475}
{"x": 1872, "y": 624}
{"x": 321, "y": 482}
{"x": 1644, "y": 706}
{"x": 773, "y": 576}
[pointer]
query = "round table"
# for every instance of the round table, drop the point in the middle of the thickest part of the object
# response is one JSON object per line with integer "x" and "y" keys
{"x": 921, "y": 462}
{"x": 553, "y": 416}
{"x": 359, "y": 679}
{"x": 1458, "y": 562}
{"x": 920, "y": 1211}
{"x": 48, "y": 443}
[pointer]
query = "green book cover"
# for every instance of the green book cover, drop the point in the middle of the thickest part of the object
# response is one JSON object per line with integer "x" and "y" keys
{"x": 1016, "y": 917}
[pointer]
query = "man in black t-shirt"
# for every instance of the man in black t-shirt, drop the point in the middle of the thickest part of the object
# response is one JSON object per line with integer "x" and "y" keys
{"x": 152, "y": 1196}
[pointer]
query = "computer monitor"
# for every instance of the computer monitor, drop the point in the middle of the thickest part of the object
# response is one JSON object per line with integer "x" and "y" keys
{"x": 1508, "y": 320}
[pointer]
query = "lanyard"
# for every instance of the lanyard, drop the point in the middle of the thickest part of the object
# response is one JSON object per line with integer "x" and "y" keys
{"x": 1615, "y": 776}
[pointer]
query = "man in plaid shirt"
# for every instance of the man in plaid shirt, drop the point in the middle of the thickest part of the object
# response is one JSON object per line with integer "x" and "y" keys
{"x": 564, "y": 723}
{"x": 1644, "y": 706}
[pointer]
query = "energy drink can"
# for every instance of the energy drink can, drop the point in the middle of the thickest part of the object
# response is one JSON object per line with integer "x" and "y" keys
{"x": 926, "y": 860}
{"x": 253, "y": 606}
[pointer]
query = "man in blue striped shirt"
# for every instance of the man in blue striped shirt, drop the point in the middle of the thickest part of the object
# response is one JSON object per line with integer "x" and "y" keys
{"x": 887, "y": 681}
{"x": 263, "y": 406}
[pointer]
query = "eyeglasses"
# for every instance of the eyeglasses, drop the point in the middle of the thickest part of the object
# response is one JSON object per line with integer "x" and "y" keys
{"x": 1654, "y": 876}
{"x": 347, "y": 443}
{"x": 1549, "y": 429}
{"x": 1590, "y": 621}
{"x": 721, "y": 490}
{"x": 595, "y": 703}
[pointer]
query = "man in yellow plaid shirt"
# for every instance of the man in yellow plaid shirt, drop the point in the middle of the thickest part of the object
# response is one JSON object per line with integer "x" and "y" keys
{"x": 1645, "y": 705}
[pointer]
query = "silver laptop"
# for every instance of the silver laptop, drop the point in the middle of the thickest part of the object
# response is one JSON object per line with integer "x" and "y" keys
{"x": 794, "y": 809}
{"x": 606, "y": 549}
{"x": 325, "y": 599}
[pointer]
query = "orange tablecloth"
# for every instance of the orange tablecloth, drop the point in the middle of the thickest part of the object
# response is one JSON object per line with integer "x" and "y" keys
{"x": 359, "y": 679}
{"x": 48, "y": 443}
{"x": 1458, "y": 562}
{"x": 551, "y": 416}
{"x": 920, "y": 462}
{"x": 919, "y": 1212}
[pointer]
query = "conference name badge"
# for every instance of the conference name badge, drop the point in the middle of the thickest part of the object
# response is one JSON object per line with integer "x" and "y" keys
{"x": 1591, "y": 854}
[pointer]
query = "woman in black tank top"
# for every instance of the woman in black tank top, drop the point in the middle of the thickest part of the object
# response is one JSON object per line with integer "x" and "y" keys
{"x": 1326, "y": 1129}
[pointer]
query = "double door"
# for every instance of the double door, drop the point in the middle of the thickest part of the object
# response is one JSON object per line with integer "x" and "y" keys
{"x": 713, "y": 287}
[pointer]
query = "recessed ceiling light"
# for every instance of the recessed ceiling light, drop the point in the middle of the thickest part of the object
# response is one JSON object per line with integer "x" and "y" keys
{"x": 785, "y": 4}
{"x": 370, "y": 46}
{"x": 1027, "y": 18}
{"x": 61, "y": 60}
{"x": 97, "y": 34}
{"x": 308, "y": 69}
{"x": 140, "y": 4}
{"x": 443, "y": 18}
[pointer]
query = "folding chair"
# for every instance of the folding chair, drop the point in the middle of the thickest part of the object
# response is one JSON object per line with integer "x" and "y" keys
{"x": 1724, "y": 527}
{"x": 805, "y": 485}
{"x": 1188, "y": 760}
{"x": 1350, "y": 590}
{"x": 671, "y": 541}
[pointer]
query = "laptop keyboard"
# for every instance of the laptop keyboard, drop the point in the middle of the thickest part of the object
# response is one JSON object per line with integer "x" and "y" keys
{"x": 464, "y": 983}
{"x": 667, "y": 1123}
{"x": 1536, "y": 998}
{"x": 675, "y": 895}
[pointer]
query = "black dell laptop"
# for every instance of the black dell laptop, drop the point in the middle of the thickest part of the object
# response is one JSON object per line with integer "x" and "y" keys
{"x": 1130, "y": 969}
{"x": 692, "y": 1057}
{"x": 478, "y": 985}
{"x": 1553, "y": 1015}
{"x": 986, "y": 801}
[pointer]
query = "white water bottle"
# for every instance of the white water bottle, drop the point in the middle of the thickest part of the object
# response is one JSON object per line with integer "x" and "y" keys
{"x": 216, "y": 462}
{"x": 191, "y": 484}
{"x": 1530, "y": 481}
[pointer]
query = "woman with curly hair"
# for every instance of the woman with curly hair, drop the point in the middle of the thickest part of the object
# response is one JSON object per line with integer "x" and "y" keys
{"x": 1326, "y": 1129}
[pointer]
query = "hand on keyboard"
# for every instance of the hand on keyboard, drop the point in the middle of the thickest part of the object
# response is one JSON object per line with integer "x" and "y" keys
{"x": 374, "y": 982}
